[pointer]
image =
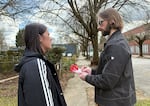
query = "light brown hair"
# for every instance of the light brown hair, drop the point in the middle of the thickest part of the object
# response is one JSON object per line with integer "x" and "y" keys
{"x": 113, "y": 18}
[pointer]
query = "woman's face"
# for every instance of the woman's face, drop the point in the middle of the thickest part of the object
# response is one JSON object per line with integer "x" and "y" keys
{"x": 45, "y": 41}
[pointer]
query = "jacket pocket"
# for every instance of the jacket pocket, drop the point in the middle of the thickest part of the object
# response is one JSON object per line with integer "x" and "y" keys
{"x": 128, "y": 70}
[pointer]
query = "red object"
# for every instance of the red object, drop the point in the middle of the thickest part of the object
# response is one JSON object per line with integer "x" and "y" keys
{"x": 73, "y": 68}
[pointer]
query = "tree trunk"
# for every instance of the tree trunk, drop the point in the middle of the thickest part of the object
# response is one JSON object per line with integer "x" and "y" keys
{"x": 141, "y": 49}
{"x": 87, "y": 54}
{"x": 95, "y": 51}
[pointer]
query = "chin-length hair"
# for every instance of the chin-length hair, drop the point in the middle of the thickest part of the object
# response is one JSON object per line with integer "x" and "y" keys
{"x": 31, "y": 36}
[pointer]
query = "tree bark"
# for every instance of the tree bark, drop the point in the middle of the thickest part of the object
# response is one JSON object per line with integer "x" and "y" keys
{"x": 95, "y": 49}
{"x": 141, "y": 49}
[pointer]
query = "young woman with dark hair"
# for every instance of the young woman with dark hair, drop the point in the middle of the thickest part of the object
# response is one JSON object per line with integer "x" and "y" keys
{"x": 38, "y": 81}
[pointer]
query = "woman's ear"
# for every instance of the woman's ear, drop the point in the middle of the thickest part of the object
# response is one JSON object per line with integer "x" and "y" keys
{"x": 40, "y": 38}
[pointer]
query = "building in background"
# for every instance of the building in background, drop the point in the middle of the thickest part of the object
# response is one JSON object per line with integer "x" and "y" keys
{"x": 143, "y": 29}
{"x": 70, "y": 48}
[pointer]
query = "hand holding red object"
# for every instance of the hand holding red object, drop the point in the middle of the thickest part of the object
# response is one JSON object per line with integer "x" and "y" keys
{"x": 86, "y": 69}
{"x": 74, "y": 68}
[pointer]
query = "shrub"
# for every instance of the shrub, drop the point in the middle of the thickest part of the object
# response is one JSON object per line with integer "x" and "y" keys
{"x": 67, "y": 61}
{"x": 55, "y": 54}
{"x": 8, "y": 59}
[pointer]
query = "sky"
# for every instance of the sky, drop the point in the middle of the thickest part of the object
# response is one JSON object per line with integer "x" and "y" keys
{"x": 11, "y": 28}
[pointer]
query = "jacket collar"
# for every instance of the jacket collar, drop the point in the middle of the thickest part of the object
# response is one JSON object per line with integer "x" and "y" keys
{"x": 29, "y": 53}
{"x": 113, "y": 36}
{"x": 116, "y": 36}
{"x": 28, "y": 56}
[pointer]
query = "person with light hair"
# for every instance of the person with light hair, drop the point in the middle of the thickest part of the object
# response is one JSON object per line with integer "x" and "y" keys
{"x": 113, "y": 78}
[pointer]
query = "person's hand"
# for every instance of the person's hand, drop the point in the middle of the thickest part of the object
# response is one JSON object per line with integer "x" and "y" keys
{"x": 86, "y": 69}
{"x": 82, "y": 75}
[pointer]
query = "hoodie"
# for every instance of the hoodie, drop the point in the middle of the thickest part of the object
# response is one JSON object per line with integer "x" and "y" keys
{"x": 38, "y": 83}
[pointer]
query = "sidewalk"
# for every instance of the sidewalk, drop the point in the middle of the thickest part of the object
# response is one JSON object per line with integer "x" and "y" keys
{"x": 76, "y": 92}
{"x": 144, "y": 56}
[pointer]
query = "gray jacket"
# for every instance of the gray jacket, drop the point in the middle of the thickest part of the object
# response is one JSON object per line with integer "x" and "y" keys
{"x": 113, "y": 79}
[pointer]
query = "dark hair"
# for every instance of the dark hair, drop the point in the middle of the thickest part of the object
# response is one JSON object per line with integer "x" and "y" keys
{"x": 113, "y": 18}
{"x": 31, "y": 36}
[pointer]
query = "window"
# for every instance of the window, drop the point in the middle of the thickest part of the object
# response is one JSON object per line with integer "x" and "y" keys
{"x": 145, "y": 48}
{"x": 132, "y": 49}
{"x": 136, "y": 49}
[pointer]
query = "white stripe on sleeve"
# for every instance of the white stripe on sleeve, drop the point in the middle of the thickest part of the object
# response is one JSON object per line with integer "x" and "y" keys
{"x": 45, "y": 84}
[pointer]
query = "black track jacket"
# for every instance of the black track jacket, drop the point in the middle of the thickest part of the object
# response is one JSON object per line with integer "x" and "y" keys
{"x": 38, "y": 82}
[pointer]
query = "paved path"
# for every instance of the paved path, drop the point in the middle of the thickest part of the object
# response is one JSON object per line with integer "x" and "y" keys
{"x": 141, "y": 68}
{"x": 76, "y": 90}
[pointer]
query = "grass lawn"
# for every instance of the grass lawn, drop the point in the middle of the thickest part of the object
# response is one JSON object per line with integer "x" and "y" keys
{"x": 143, "y": 103}
{"x": 141, "y": 99}
{"x": 8, "y": 101}
{"x": 8, "y": 93}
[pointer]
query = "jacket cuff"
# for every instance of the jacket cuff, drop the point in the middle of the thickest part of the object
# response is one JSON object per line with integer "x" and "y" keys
{"x": 93, "y": 72}
{"x": 87, "y": 78}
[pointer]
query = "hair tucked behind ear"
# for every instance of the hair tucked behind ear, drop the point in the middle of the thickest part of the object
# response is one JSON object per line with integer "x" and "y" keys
{"x": 31, "y": 36}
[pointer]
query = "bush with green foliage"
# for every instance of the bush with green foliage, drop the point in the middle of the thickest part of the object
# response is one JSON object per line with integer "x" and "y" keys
{"x": 67, "y": 61}
{"x": 55, "y": 54}
{"x": 8, "y": 59}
